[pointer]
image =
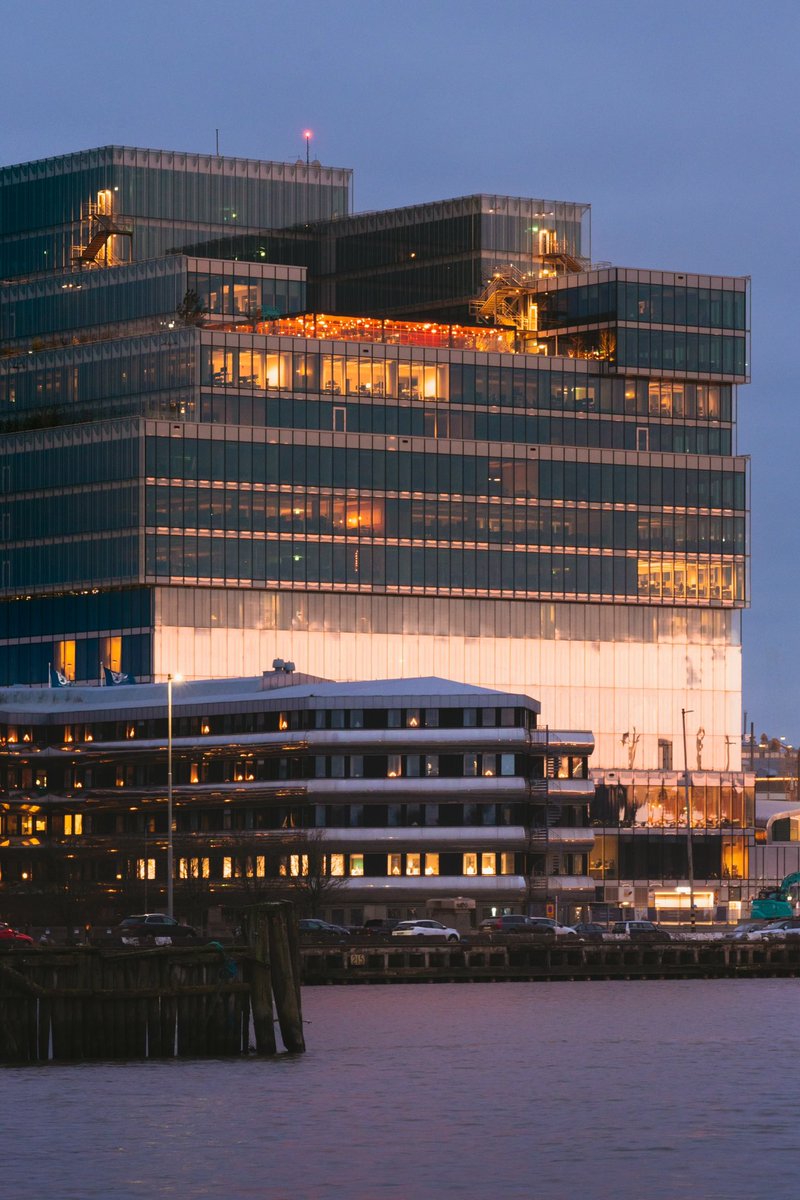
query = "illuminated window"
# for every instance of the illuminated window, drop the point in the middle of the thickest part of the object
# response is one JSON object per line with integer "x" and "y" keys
{"x": 488, "y": 864}
{"x": 194, "y": 773}
{"x": 111, "y": 652}
{"x": 394, "y": 864}
{"x": 356, "y": 864}
{"x": 64, "y": 657}
{"x": 394, "y": 766}
{"x": 431, "y": 864}
{"x": 413, "y": 864}
{"x": 337, "y": 864}
{"x": 73, "y": 824}
{"x": 204, "y": 726}
{"x": 227, "y": 868}
{"x": 40, "y": 825}
{"x": 194, "y": 868}
{"x": 145, "y": 868}
{"x": 470, "y": 866}
{"x": 412, "y": 718}
{"x": 283, "y": 722}
{"x": 26, "y": 825}
{"x": 298, "y": 865}
{"x": 489, "y": 764}
{"x": 507, "y": 863}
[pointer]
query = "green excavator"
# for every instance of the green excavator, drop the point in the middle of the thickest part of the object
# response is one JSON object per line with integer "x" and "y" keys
{"x": 773, "y": 903}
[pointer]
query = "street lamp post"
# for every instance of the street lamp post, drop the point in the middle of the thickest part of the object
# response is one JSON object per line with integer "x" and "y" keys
{"x": 689, "y": 845}
{"x": 170, "y": 856}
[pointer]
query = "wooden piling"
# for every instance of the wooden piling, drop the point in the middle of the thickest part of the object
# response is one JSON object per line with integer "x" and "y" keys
{"x": 87, "y": 1003}
{"x": 286, "y": 975}
{"x": 256, "y": 930}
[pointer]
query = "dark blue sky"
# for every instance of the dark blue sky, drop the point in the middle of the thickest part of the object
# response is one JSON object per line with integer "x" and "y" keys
{"x": 676, "y": 120}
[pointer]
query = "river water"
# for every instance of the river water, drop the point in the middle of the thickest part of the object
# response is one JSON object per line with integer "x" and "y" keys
{"x": 560, "y": 1091}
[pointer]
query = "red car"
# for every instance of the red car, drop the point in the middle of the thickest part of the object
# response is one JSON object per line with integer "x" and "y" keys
{"x": 10, "y": 936}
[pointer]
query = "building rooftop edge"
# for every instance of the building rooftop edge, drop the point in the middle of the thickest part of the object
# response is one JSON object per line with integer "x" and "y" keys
{"x": 113, "y": 149}
{"x": 30, "y": 700}
{"x": 584, "y": 205}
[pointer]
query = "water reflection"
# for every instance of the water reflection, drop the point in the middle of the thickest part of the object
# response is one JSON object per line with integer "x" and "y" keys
{"x": 657, "y": 1090}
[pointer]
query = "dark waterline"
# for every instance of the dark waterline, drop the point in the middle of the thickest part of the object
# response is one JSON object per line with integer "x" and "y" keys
{"x": 571, "y": 1091}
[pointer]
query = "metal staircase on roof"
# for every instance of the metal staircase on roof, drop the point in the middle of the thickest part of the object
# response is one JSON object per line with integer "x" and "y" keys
{"x": 103, "y": 226}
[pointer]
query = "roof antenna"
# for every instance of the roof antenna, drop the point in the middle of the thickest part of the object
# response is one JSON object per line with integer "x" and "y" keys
{"x": 307, "y": 134}
{"x": 217, "y": 133}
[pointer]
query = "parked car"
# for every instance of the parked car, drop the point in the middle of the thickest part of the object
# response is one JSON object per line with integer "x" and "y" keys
{"x": 155, "y": 925}
{"x": 641, "y": 931}
{"x": 788, "y": 927}
{"x": 562, "y": 931}
{"x": 312, "y": 927}
{"x": 510, "y": 923}
{"x": 12, "y": 937}
{"x": 377, "y": 927}
{"x": 426, "y": 928}
{"x": 515, "y": 924}
{"x": 745, "y": 931}
{"x": 774, "y": 931}
{"x": 589, "y": 931}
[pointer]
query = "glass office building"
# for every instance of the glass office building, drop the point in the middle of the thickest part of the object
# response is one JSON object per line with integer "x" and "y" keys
{"x": 201, "y": 470}
{"x": 149, "y": 202}
{"x": 427, "y": 261}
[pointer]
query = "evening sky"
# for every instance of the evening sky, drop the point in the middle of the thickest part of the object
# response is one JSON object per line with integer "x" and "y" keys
{"x": 677, "y": 121}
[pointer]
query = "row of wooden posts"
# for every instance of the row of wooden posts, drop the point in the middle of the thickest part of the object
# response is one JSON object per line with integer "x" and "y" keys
{"x": 131, "y": 1003}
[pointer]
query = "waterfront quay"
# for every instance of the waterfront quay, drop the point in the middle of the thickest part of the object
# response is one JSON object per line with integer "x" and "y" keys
{"x": 686, "y": 959}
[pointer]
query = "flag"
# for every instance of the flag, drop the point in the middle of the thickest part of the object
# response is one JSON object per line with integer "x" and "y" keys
{"x": 57, "y": 678}
{"x": 116, "y": 678}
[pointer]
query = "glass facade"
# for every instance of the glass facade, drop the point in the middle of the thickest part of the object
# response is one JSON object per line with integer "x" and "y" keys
{"x": 687, "y": 325}
{"x": 179, "y": 425}
{"x": 80, "y": 305}
{"x": 170, "y": 200}
{"x": 429, "y": 259}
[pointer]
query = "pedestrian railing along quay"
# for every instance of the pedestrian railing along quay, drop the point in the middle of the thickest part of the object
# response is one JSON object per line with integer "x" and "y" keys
{"x": 88, "y": 1003}
{"x": 530, "y": 961}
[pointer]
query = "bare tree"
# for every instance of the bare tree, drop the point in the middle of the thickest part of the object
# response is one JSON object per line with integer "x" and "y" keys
{"x": 190, "y": 311}
{"x": 294, "y": 865}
